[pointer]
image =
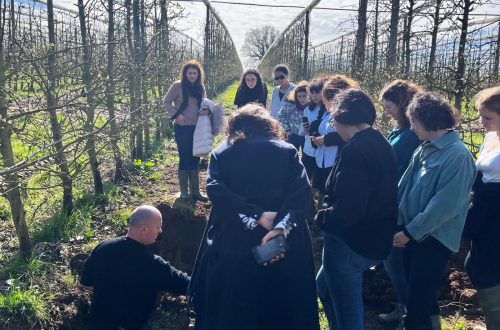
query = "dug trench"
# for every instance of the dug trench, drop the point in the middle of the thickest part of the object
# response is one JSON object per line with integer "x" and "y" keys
{"x": 183, "y": 227}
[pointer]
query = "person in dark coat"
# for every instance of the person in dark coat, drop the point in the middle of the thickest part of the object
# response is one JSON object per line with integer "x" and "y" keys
{"x": 259, "y": 190}
{"x": 482, "y": 225}
{"x": 251, "y": 89}
{"x": 361, "y": 212}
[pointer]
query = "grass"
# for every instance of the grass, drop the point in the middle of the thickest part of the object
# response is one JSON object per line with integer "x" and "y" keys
{"x": 23, "y": 305}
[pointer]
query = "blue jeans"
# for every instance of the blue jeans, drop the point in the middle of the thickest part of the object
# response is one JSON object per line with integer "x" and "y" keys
{"x": 184, "y": 140}
{"x": 339, "y": 284}
{"x": 394, "y": 265}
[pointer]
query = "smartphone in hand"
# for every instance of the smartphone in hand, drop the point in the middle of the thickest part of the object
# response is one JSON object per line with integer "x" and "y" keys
{"x": 272, "y": 248}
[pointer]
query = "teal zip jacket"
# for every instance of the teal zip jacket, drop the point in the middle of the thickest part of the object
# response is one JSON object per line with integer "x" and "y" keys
{"x": 434, "y": 191}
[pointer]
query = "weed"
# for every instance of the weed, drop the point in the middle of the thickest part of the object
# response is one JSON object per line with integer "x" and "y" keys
{"x": 23, "y": 305}
{"x": 18, "y": 267}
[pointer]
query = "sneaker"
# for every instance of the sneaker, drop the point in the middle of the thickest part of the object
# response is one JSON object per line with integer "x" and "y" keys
{"x": 393, "y": 318}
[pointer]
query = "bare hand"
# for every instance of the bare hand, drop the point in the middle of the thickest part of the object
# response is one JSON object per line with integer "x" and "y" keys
{"x": 400, "y": 239}
{"x": 269, "y": 236}
{"x": 319, "y": 140}
{"x": 180, "y": 119}
{"x": 267, "y": 219}
{"x": 305, "y": 126}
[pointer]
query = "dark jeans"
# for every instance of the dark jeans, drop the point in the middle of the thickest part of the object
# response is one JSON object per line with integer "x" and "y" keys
{"x": 184, "y": 141}
{"x": 425, "y": 263}
{"x": 296, "y": 140}
{"x": 310, "y": 166}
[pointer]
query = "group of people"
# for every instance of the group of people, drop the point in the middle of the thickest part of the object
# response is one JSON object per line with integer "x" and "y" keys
{"x": 401, "y": 200}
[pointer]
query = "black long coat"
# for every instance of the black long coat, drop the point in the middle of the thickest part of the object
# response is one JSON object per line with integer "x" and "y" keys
{"x": 229, "y": 289}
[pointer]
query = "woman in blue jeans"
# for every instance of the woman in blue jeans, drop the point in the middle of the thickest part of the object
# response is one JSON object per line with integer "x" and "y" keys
{"x": 395, "y": 97}
{"x": 434, "y": 195}
{"x": 361, "y": 211}
{"x": 183, "y": 101}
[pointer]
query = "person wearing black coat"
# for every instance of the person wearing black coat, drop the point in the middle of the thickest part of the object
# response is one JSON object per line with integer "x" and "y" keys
{"x": 259, "y": 190}
{"x": 251, "y": 89}
{"x": 361, "y": 210}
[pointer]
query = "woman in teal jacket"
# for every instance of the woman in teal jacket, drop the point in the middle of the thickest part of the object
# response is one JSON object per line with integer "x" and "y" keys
{"x": 434, "y": 195}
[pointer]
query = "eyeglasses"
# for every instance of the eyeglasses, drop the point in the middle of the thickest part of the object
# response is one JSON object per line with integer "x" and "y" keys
{"x": 279, "y": 78}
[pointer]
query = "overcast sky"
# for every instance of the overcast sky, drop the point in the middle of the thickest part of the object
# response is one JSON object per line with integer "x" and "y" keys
{"x": 325, "y": 24}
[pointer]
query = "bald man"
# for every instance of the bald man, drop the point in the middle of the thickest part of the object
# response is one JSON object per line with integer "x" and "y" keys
{"x": 126, "y": 276}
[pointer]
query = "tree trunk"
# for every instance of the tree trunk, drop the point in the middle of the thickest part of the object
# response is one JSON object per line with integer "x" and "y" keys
{"x": 375, "y": 40}
{"x": 393, "y": 35}
{"x": 110, "y": 94}
{"x": 460, "y": 73}
{"x": 496, "y": 77}
{"x": 137, "y": 81}
{"x": 432, "y": 55}
{"x": 60, "y": 157}
{"x": 358, "y": 60}
{"x": 90, "y": 107}
{"x": 407, "y": 37}
{"x": 12, "y": 182}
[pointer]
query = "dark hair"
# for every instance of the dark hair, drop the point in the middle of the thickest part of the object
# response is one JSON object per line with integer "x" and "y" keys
{"x": 400, "y": 92}
{"x": 488, "y": 98}
{"x": 301, "y": 87}
{"x": 354, "y": 107}
{"x": 243, "y": 85}
{"x": 281, "y": 68}
{"x": 334, "y": 84}
{"x": 196, "y": 89}
{"x": 433, "y": 111}
{"x": 315, "y": 85}
{"x": 253, "y": 120}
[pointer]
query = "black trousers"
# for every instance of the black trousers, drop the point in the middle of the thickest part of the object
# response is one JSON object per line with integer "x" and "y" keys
{"x": 184, "y": 140}
{"x": 425, "y": 263}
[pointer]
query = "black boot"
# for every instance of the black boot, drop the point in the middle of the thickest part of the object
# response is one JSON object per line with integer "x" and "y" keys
{"x": 183, "y": 184}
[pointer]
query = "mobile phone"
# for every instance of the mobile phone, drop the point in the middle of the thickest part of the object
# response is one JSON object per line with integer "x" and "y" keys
{"x": 273, "y": 248}
{"x": 305, "y": 120}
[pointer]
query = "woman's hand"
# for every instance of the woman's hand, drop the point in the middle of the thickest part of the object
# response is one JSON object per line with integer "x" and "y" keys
{"x": 269, "y": 236}
{"x": 266, "y": 220}
{"x": 318, "y": 140}
{"x": 400, "y": 239}
{"x": 305, "y": 126}
{"x": 180, "y": 120}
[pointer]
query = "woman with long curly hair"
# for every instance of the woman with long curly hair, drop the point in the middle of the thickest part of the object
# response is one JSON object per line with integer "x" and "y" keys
{"x": 183, "y": 101}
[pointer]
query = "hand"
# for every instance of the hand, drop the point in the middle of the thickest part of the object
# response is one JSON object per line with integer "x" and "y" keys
{"x": 305, "y": 126}
{"x": 267, "y": 219}
{"x": 180, "y": 119}
{"x": 400, "y": 239}
{"x": 204, "y": 112}
{"x": 269, "y": 236}
{"x": 318, "y": 140}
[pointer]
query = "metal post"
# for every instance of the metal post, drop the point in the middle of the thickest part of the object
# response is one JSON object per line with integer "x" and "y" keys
{"x": 305, "y": 73}
{"x": 207, "y": 37}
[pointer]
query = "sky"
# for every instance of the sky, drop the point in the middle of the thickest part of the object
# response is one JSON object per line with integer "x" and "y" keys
{"x": 239, "y": 19}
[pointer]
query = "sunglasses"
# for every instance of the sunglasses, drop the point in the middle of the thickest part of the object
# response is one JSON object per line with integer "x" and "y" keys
{"x": 279, "y": 78}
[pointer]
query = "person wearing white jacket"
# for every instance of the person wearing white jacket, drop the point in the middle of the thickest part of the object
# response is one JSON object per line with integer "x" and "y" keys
{"x": 280, "y": 92}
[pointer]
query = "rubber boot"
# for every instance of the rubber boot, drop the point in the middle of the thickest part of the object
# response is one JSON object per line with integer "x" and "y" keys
{"x": 489, "y": 299}
{"x": 194, "y": 187}
{"x": 436, "y": 322}
{"x": 183, "y": 184}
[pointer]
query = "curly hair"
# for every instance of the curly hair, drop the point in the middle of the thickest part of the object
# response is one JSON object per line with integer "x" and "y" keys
{"x": 433, "y": 111}
{"x": 196, "y": 89}
{"x": 400, "y": 92}
{"x": 334, "y": 84}
{"x": 253, "y": 120}
{"x": 354, "y": 107}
